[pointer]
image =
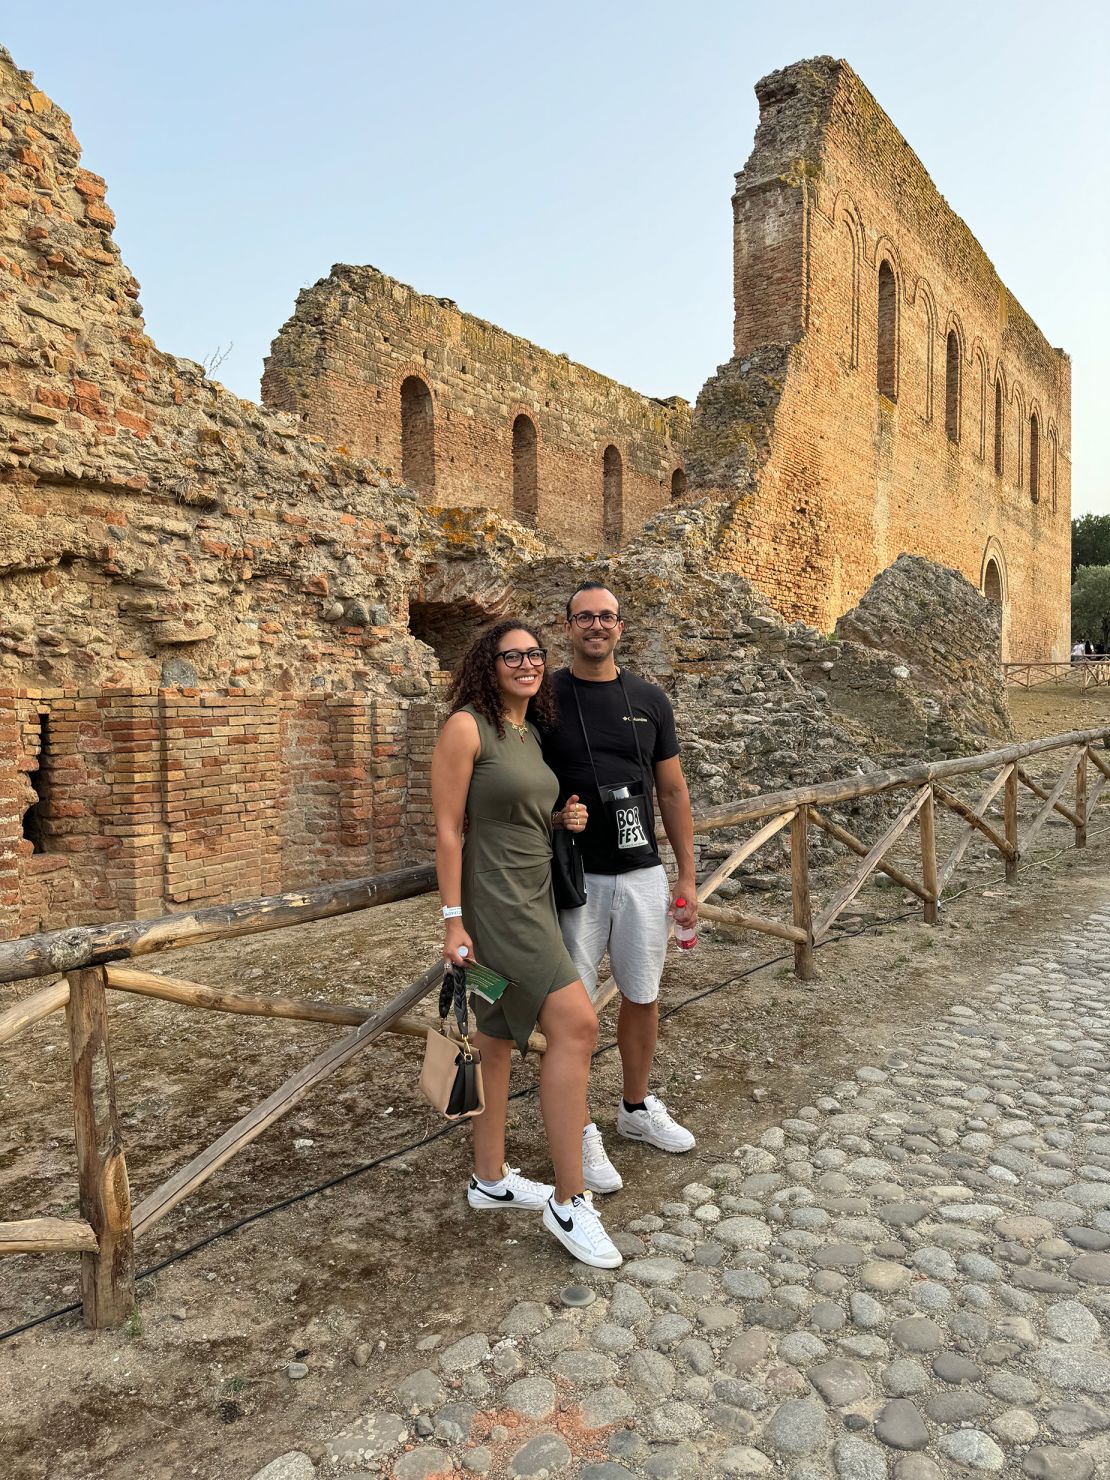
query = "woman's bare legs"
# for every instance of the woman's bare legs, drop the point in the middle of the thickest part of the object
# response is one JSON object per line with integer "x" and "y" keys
{"x": 569, "y": 1023}
{"x": 489, "y": 1127}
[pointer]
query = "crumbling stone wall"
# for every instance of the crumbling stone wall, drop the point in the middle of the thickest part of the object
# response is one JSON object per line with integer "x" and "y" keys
{"x": 842, "y": 435}
{"x": 157, "y": 529}
{"x": 470, "y": 414}
{"x": 222, "y": 643}
{"x": 764, "y": 704}
{"x": 945, "y": 638}
{"x": 211, "y": 689}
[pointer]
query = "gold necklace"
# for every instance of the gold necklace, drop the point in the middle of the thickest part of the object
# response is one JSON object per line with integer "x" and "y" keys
{"x": 521, "y": 730}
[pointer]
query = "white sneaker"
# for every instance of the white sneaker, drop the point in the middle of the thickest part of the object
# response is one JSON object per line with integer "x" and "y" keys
{"x": 654, "y": 1126}
{"x": 598, "y": 1172}
{"x": 578, "y": 1228}
{"x": 513, "y": 1191}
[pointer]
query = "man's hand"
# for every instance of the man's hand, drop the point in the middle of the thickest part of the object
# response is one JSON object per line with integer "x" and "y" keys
{"x": 686, "y": 914}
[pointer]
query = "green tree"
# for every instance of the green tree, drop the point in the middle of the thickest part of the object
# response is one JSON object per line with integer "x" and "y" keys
{"x": 1090, "y": 606}
{"x": 1090, "y": 541}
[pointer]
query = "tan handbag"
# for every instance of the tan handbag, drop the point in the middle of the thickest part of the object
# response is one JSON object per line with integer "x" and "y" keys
{"x": 451, "y": 1076}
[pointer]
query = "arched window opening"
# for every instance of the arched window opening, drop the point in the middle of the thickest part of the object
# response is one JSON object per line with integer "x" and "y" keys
{"x": 678, "y": 485}
{"x": 992, "y": 582}
{"x": 612, "y": 498}
{"x": 1034, "y": 458}
{"x": 887, "y": 364}
{"x": 526, "y": 493}
{"x": 33, "y": 829}
{"x": 952, "y": 387}
{"x": 418, "y": 460}
{"x": 999, "y": 428}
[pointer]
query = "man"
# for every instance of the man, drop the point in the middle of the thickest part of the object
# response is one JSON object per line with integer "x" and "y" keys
{"x": 615, "y": 743}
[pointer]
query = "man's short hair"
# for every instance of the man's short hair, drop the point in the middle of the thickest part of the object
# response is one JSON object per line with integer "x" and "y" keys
{"x": 590, "y": 586}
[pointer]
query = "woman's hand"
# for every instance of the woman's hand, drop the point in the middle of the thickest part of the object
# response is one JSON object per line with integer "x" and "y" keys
{"x": 454, "y": 936}
{"x": 573, "y": 816}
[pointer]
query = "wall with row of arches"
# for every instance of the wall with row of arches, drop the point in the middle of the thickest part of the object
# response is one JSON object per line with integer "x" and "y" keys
{"x": 468, "y": 414}
{"x": 920, "y": 409}
{"x": 985, "y": 407}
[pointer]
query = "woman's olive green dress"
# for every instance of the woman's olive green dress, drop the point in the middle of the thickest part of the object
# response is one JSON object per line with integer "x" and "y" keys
{"x": 508, "y": 908}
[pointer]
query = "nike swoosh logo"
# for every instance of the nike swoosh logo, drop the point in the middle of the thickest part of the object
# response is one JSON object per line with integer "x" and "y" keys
{"x": 566, "y": 1224}
{"x": 496, "y": 1196}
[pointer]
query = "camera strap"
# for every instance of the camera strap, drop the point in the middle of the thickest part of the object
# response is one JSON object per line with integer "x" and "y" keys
{"x": 629, "y": 816}
{"x": 586, "y": 735}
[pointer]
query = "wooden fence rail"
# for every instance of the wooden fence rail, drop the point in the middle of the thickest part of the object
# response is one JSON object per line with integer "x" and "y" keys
{"x": 1081, "y": 672}
{"x": 89, "y": 958}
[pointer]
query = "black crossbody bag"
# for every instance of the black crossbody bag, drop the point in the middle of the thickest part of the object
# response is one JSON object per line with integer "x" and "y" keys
{"x": 626, "y": 805}
{"x": 568, "y": 872}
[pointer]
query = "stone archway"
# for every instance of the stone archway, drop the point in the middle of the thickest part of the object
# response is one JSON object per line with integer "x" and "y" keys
{"x": 448, "y": 627}
{"x": 993, "y": 584}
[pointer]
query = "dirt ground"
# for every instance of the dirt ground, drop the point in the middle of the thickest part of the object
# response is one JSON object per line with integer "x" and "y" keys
{"x": 345, "y": 1279}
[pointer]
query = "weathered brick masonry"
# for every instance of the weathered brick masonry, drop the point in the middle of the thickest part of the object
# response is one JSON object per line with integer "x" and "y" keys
{"x": 222, "y": 640}
{"x": 208, "y": 686}
{"x": 470, "y": 414}
{"x": 121, "y": 803}
{"x": 887, "y": 393}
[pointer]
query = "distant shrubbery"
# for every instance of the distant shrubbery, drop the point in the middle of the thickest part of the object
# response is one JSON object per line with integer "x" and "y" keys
{"x": 1090, "y": 607}
{"x": 1090, "y": 574}
{"x": 1090, "y": 541}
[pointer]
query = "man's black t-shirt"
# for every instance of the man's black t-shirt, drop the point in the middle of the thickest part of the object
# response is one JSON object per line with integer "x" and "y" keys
{"x": 609, "y": 725}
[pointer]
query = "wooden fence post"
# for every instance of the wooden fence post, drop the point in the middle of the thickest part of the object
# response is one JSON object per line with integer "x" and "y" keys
{"x": 108, "y": 1276}
{"x": 926, "y": 821}
{"x": 1081, "y": 799}
{"x": 799, "y": 888}
{"x": 1010, "y": 815}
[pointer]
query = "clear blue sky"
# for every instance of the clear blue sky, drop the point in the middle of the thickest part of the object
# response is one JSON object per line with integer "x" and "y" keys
{"x": 562, "y": 169}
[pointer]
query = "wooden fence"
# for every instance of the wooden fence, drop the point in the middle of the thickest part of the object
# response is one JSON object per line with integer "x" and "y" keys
{"x": 1080, "y": 672}
{"x": 89, "y": 959}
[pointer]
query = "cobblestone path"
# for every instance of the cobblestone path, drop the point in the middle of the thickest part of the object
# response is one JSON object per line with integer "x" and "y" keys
{"x": 910, "y": 1278}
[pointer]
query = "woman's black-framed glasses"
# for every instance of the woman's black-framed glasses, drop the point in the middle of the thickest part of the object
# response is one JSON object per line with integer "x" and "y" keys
{"x": 586, "y": 619}
{"x": 514, "y": 658}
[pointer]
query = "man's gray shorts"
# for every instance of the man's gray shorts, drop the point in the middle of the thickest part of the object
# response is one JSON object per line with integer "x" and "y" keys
{"x": 626, "y": 915}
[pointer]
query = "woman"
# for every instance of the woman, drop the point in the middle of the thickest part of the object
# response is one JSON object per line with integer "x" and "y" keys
{"x": 492, "y": 796}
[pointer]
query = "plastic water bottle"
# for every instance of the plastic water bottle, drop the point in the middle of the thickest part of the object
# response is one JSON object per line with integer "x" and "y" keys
{"x": 686, "y": 936}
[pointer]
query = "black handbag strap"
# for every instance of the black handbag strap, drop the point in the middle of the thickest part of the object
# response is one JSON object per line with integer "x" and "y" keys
{"x": 631, "y": 720}
{"x": 453, "y": 994}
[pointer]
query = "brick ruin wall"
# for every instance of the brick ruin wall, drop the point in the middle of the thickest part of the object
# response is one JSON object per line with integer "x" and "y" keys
{"x": 125, "y": 803}
{"x": 850, "y": 440}
{"x": 469, "y": 414}
{"x": 208, "y": 683}
{"x": 222, "y": 641}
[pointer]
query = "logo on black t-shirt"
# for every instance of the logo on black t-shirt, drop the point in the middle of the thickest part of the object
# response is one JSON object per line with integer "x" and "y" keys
{"x": 630, "y": 829}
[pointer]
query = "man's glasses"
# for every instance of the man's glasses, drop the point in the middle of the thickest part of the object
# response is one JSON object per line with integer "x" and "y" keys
{"x": 586, "y": 619}
{"x": 514, "y": 657}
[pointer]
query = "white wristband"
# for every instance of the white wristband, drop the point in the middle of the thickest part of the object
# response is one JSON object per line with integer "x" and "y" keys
{"x": 452, "y": 912}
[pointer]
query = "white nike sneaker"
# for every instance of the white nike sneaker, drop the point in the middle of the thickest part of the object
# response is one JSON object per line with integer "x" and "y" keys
{"x": 598, "y": 1172}
{"x": 513, "y": 1191}
{"x": 654, "y": 1126}
{"x": 578, "y": 1228}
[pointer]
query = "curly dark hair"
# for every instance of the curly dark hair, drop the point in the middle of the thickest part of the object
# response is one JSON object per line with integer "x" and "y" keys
{"x": 475, "y": 681}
